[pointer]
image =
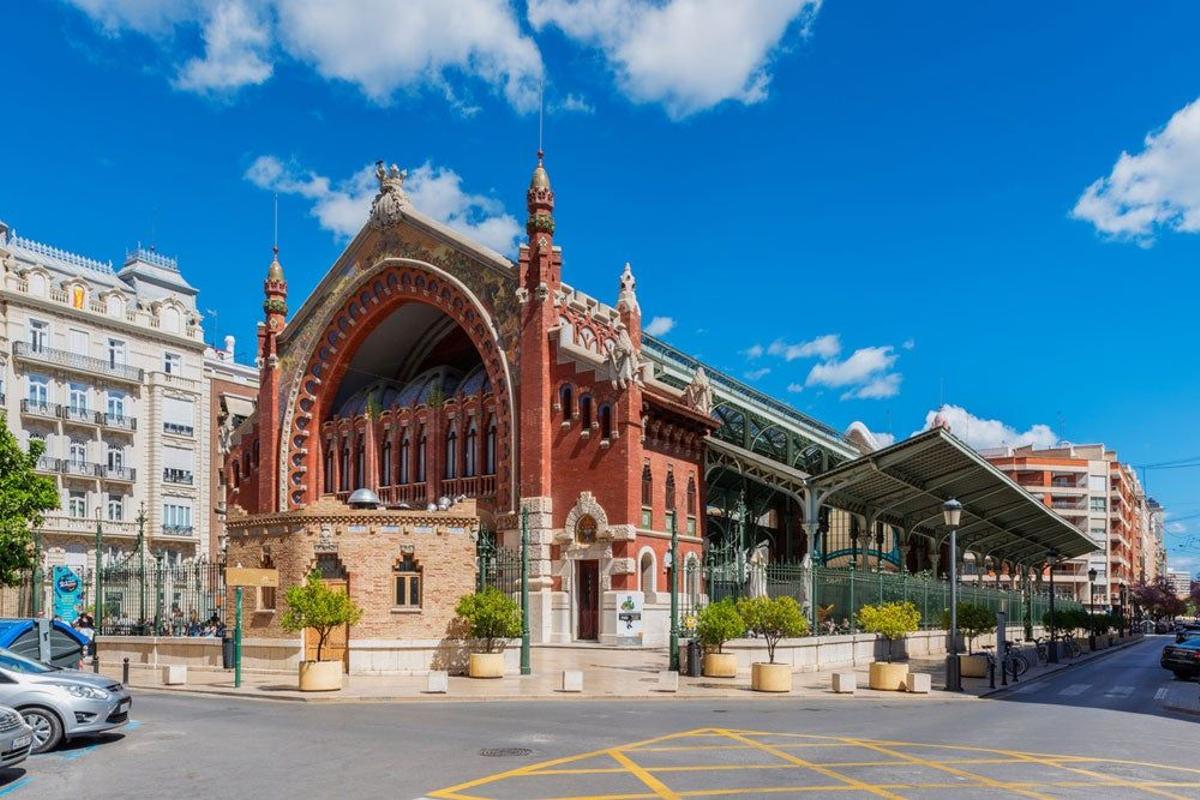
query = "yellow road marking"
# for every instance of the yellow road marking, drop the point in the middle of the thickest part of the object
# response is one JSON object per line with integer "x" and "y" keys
{"x": 828, "y": 773}
{"x": 642, "y": 775}
{"x": 924, "y": 762}
{"x": 1118, "y": 780}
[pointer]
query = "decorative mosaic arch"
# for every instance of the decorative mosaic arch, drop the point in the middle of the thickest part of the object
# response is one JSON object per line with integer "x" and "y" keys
{"x": 383, "y": 288}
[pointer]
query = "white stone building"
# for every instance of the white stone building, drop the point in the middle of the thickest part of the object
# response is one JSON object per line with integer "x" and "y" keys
{"x": 107, "y": 366}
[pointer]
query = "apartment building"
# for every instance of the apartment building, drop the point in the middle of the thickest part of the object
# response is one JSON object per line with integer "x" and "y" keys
{"x": 106, "y": 366}
{"x": 1180, "y": 582}
{"x": 233, "y": 392}
{"x": 1155, "y": 550}
{"x": 1089, "y": 487}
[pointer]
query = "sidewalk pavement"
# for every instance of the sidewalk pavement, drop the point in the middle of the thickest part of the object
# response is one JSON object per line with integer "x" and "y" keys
{"x": 608, "y": 673}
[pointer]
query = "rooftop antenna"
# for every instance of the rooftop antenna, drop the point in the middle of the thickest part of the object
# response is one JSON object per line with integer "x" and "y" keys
{"x": 275, "y": 237}
{"x": 541, "y": 111}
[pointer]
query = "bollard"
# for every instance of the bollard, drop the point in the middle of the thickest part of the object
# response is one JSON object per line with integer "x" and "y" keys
{"x": 992, "y": 674}
{"x": 125, "y": 672}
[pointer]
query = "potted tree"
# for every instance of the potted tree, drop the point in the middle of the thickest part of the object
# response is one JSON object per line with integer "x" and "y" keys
{"x": 892, "y": 621}
{"x": 492, "y": 618}
{"x": 314, "y": 605}
{"x": 716, "y": 624}
{"x": 772, "y": 620}
{"x": 973, "y": 619}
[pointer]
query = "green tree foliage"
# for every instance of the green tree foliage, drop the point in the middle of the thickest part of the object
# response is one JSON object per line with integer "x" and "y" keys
{"x": 973, "y": 620}
{"x": 24, "y": 495}
{"x": 490, "y": 615}
{"x": 315, "y": 605}
{"x": 719, "y": 622}
{"x": 772, "y": 619}
{"x": 892, "y": 621}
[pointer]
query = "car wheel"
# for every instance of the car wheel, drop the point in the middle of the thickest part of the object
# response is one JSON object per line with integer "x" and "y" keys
{"x": 47, "y": 729}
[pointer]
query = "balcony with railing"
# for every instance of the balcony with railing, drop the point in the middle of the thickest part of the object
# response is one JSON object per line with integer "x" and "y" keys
{"x": 79, "y": 469}
{"x": 121, "y": 474}
{"x": 118, "y": 422}
{"x": 173, "y": 475}
{"x": 61, "y": 523}
{"x": 181, "y": 531}
{"x": 37, "y": 408}
{"x": 46, "y": 464}
{"x": 80, "y": 415}
{"x": 77, "y": 362}
{"x": 178, "y": 429}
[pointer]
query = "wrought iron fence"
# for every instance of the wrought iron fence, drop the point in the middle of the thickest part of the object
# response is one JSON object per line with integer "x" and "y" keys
{"x": 497, "y": 567}
{"x": 181, "y": 600}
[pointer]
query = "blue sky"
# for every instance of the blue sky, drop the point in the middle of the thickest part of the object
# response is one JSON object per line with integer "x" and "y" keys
{"x": 903, "y": 198}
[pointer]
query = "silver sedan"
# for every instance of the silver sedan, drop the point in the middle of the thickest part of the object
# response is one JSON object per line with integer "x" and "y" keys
{"x": 16, "y": 738}
{"x": 58, "y": 703}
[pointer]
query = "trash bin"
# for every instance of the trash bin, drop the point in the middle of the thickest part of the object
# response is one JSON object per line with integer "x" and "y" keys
{"x": 694, "y": 658}
{"x": 227, "y": 652}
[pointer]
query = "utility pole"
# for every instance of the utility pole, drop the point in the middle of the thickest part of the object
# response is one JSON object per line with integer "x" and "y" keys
{"x": 98, "y": 591}
{"x": 526, "y": 667}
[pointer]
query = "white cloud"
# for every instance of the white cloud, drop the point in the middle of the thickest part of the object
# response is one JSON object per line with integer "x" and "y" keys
{"x": 1176, "y": 527}
{"x": 985, "y": 433}
{"x": 753, "y": 351}
{"x": 755, "y": 374}
{"x": 236, "y": 41}
{"x": 436, "y": 191}
{"x": 1155, "y": 189}
{"x": 572, "y": 104}
{"x": 688, "y": 55}
{"x": 862, "y": 365}
{"x": 826, "y": 346}
{"x": 909, "y": 344}
{"x": 380, "y": 46}
{"x": 795, "y": 388}
{"x": 660, "y": 326}
{"x": 878, "y": 388}
{"x": 884, "y": 439}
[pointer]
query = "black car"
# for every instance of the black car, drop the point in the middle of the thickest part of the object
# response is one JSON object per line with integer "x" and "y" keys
{"x": 1186, "y": 632}
{"x": 1182, "y": 658}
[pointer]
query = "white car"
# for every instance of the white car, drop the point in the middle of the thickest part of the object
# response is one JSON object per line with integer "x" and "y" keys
{"x": 59, "y": 703}
{"x": 16, "y": 738}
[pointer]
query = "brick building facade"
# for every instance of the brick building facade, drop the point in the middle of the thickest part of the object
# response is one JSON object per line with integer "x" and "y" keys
{"x": 427, "y": 366}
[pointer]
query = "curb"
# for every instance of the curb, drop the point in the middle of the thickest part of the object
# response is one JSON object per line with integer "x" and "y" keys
{"x": 1062, "y": 667}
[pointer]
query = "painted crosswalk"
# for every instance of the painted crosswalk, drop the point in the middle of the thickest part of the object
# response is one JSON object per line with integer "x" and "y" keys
{"x": 1075, "y": 689}
{"x": 1161, "y": 693}
{"x": 1119, "y": 691}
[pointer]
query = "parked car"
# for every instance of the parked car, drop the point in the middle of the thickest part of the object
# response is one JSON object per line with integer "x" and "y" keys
{"x": 1185, "y": 632}
{"x": 1182, "y": 658}
{"x": 60, "y": 704}
{"x": 16, "y": 738}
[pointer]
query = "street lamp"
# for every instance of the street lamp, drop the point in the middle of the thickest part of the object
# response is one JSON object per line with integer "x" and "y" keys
{"x": 951, "y": 515}
{"x": 1091, "y": 606}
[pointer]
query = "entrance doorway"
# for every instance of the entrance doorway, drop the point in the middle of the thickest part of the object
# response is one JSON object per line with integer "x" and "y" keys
{"x": 589, "y": 599}
{"x": 337, "y": 644}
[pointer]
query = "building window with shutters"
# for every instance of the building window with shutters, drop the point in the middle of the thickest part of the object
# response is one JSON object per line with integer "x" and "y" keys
{"x": 406, "y": 583}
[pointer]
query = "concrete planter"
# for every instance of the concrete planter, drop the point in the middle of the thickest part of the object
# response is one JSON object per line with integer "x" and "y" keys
{"x": 887, "y": 676}
{"x": 320, "y": 676}
{"x": 770, "y": 677}
{"x": 486, "y": 665}
{"x": 973, "y": 666}
{"x": 720, "y": 665}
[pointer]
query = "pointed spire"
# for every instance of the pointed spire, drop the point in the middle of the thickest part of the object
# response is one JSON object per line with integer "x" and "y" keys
{"x": 540, "y": 201}
{"x": 275, "y": 271}
{"x": 627, "y": 291}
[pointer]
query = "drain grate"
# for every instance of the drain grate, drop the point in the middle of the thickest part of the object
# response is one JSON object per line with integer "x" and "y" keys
{"x": 505, "y": 752}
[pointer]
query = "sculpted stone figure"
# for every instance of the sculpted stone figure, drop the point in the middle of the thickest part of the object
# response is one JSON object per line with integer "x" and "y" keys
{"x": 622, "y": 360}
{"x": 388, "y": 206}
{"x": 698, "y": 395}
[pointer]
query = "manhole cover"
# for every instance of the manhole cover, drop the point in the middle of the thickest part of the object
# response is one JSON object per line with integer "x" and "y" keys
{"x": 505, "y": 752}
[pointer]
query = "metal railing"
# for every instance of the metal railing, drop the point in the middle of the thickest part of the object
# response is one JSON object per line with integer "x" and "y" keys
{"x": 173, "y": 475}
{"x": 83, "y": 469}
{"x": 38, "y": 408}
{"x": 119, "y": 421}
{"x": 178, "y": 429}
{"x": 77, "y": 414}
{"x": 46, "y": 464}
{"x": 178, "y": 530}
{"x": 118, "y": 473}
{"x": 65, "y": 358}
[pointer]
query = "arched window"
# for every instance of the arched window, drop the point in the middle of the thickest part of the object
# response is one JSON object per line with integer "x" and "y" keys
{"x": 565, "y": 399}
{"x": 469, "y": 453}
{"x": 328, "y": 466}
{"x": 422, "y": 441}
{"x": 452, "y": 453}
{"x": 647, "y": 573}
{"x": 385, "y": 463}
{"x": 360, "y": 462}
{"x": 605, "y": 415}
{"x": 254, "y": 453}
{"x": 670, "y": 500}
{"x": 585, "y": 530}
{"x": 406, "y": 580}
{"x": 647, "y": 494}
{"x": 237, "y": 475}
{"x": 691, "y": 495}
{"x": 489, "y": 449}
{"x": 405, "y": 453}
{"x": 585, "y": 411}
{"x": 344, "y": 467}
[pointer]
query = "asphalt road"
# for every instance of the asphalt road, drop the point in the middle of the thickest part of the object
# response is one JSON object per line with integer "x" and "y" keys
{"x": 1095, "y": 730}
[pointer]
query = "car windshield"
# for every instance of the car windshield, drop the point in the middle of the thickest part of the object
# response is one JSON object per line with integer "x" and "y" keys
{"x": 15, "y": 663}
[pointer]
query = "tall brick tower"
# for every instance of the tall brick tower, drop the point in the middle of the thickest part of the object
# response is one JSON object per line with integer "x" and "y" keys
{"x": 275, "y": 317}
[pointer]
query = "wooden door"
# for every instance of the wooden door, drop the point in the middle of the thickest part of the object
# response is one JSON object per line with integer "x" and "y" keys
{"x": 589, "y": 600}
{"x": 337, "y": 644}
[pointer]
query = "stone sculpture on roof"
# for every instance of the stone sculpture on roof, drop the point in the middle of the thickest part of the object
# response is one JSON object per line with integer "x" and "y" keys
{"x": 698, "y": 395}
{"x": 388, "y": 206}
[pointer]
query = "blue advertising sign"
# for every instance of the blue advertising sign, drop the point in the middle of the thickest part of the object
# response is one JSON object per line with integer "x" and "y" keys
{"x": 68, "y": 589}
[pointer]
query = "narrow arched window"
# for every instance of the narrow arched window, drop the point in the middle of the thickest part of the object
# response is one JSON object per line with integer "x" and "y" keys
{"x": 421, "y": 448}
{"x": 385, "y": 463}
{"x": 670, "y": 500}
{"x": 344, "y": 467}
{"x": 691, "y": 495}
{"x": 585, "y": 411}
{"x": 489, "y": 450}
{"x": 452, "y": 453}
{"x": 237, "y": 475}
{"x": 405, "y": 455}
{"x": 647, "y": 495}
{"x": 328, "y": 466}
{"x": 605, "y": 415}
{"x": 566, "y": 401}
{"x": 360, "y": 462}
{"x": 469, "y": 453}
